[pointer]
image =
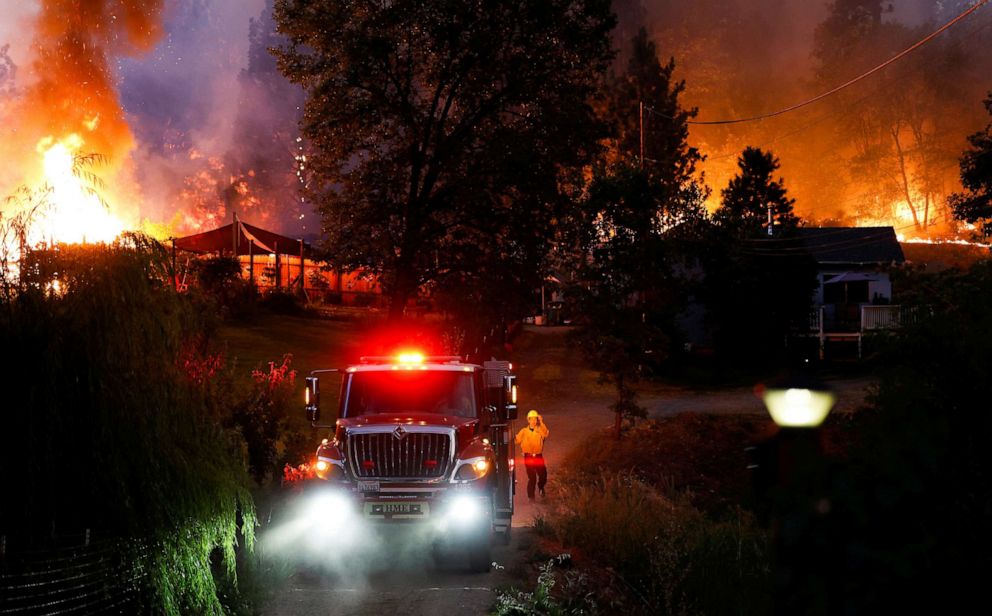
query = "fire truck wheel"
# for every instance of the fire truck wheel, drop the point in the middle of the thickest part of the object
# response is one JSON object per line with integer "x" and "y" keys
{"x": 479, "y": 558}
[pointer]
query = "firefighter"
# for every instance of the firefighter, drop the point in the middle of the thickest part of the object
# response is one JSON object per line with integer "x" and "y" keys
{"x": 531, "y": 440}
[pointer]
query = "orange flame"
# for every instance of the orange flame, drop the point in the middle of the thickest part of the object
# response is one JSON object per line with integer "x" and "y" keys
{"x": 75, "y": 213}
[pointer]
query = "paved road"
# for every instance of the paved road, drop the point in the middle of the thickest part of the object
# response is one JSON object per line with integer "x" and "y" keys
{"x": 554, "y": 381}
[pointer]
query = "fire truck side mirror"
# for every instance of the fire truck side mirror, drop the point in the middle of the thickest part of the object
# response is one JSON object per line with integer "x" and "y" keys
{"x": 312, "y": 394}
{"x": 510, "y": 393}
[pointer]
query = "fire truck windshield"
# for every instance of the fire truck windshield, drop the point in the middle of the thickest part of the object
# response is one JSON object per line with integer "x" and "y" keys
{"x": 410, "y": 391}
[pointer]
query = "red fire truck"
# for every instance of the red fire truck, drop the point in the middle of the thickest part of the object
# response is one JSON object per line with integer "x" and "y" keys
{"x": 425, "y": 441}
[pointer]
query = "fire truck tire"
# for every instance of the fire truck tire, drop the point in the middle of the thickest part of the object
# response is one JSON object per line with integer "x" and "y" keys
{"x": 479, "y": 555}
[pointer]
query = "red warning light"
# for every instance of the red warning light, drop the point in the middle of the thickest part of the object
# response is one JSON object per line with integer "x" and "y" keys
{"x": 410, "y": 358}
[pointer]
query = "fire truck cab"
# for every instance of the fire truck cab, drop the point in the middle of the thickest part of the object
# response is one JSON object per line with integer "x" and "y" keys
{"x": 423, "y": 441}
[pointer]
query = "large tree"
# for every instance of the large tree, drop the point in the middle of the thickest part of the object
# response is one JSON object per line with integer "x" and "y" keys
{"x": 974, "y": 205}
{"x": 752, "y": 194}
{"x": 638, "y": 215}
{"x": 442, "y": 130}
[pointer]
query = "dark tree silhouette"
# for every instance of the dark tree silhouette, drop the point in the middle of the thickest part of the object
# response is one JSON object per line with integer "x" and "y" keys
{"x": 637, "y": 217}
{"x": 750, "y": 194}
{"x": 974, "y": 205}
{"x": 442, "y": 130}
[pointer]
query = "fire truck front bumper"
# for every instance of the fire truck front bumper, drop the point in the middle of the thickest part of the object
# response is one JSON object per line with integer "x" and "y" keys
{"x": 448, "y": 511}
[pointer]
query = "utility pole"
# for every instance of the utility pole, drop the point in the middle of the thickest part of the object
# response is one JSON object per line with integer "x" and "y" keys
{"x": 770, "y": 219}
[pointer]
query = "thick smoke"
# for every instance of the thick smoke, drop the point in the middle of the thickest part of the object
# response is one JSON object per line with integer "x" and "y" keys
{"x": 69, "y": 86}
{"x": 742, "y": 58}
{"x": 183, "y": 101}
{"x": 216, "y": 121}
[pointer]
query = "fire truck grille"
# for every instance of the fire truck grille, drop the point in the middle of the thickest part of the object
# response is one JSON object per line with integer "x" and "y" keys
{"x": 417, "y": 455}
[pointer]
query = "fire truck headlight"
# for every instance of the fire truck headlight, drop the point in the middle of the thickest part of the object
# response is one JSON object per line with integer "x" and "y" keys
{"x": 328, "y": 508}
{"x": 470, "y": 470}
{"x": 464, "y": 509}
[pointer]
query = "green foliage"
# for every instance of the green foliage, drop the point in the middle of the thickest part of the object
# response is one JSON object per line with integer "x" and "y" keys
{"x": 219, "y": 277}
{"x": 108, "y": 420}
{"x": 974, "y": 205}
{"x": 262, "y": 415}
{"x": 633, "y": 254}
{"x": 281, "y": 302}
{"x": 748, "y": 196}
{"x": 445, "y": 134}
{"x": 694, "y": 457}
{"x": 912, "y": 510}
{"x": 673, "y": 559}
{"x": 574, "y": 596}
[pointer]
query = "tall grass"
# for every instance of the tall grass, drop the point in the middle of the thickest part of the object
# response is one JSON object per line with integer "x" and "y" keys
{"x": 672, "y": 558}
{"x": 104, "y": 426}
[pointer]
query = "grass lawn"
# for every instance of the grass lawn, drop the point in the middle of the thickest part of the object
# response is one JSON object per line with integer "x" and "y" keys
{"x": 313, "y": 343}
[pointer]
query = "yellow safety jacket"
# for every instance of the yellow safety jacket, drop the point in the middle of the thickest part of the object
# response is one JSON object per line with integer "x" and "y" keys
{"x": 531, "y": 440}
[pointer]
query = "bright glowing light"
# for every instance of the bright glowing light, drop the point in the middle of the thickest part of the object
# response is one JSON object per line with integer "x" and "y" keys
{"x": 798, "y": 408}
{"x": 322, "y": 465}
{"x": 464, "y": 509}
{"x": 481, "y": 466}
{"x": 75, "y": 214}
{"x": 411, "y": 358}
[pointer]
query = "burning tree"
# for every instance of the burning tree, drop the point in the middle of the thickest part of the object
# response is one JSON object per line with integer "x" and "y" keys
{"x": 442, "y": 130}
{"x": 974, "y": 205}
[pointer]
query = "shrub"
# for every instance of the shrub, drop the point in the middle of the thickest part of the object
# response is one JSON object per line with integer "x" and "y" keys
{"x": 574, "y": 596}
{"x": 110, "y": 411}
{"x": 673, "y": 558}
{"x": 698, "y": 456}
{"x": 282, "y": 302}
{"x": 261, "y": 415}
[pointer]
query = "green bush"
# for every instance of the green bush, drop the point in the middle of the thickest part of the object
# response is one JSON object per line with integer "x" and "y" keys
{"x": 691, "y": 455}
{"x": 574, "y": 596}
{"x": 112, "y": 420}
{"x": 673, "y": 558}
{"x": 282, "y": 302}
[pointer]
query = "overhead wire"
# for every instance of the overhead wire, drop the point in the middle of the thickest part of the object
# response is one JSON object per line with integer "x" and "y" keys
{"x": 871, "y": 94}
{"x": 844, "y": 85}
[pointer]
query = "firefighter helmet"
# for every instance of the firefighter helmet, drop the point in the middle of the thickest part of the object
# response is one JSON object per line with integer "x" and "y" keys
{"x": 532, "y": 413}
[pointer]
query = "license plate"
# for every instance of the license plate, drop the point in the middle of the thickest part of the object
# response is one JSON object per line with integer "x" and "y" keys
{"x": 397, "y": 510}
{"x": 368, "y": 486}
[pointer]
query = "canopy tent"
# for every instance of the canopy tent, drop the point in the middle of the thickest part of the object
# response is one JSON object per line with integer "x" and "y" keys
{"x": 241, "y": 238}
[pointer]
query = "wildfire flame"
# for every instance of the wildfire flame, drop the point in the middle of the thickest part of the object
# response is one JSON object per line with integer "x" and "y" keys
{"x": 74, "y": 212}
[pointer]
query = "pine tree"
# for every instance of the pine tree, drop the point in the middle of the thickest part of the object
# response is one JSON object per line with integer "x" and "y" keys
{"x": 750, "y": 195}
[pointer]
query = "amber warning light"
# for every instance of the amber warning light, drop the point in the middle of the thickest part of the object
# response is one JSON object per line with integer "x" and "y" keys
{"x": 411, "y": 358}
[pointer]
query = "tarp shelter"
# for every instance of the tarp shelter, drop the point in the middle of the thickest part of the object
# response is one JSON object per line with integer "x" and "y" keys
{"x": 239, "y": 239}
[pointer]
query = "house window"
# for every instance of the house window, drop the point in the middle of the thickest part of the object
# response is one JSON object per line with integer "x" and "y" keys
{"x": 850, "y": 292}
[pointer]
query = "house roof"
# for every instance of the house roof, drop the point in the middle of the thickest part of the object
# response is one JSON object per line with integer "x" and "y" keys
{"x": 861, "y": 245}
{"x": 839, "y": 245}
{"x": 225, "y": 239}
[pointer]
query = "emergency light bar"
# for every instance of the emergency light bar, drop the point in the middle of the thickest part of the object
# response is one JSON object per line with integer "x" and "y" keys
{"x": 409, "y": 358}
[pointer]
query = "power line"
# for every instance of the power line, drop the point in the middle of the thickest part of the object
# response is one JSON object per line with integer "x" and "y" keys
{"x": 871, "y": 94}
{"x": 850, "y": 82}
